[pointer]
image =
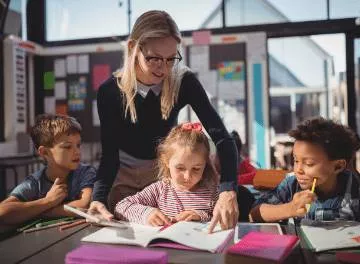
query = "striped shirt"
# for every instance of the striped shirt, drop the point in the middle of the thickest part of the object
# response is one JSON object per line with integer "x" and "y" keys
{"x": 168, "y": 200}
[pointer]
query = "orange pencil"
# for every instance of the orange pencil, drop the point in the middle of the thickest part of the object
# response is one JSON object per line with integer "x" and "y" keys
{"x": 76, "y": 223}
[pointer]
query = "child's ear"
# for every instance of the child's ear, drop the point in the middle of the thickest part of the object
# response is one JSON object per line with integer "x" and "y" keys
{"x": 43, "y": 151}
{"x": 340, "y": 165}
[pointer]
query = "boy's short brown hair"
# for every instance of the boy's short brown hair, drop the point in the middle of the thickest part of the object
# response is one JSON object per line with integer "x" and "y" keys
{"x": 49, "y": 127}
{"x": 338, "y": 141}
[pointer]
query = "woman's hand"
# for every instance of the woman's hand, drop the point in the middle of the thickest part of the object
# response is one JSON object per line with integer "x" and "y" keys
{"x": 226, "y": 211}
{"x": 157, "y": 218}
{"x": 187, "y": 216}
{"x": 97, "y": 208}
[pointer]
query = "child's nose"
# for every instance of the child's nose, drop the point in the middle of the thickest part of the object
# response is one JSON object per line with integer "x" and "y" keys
{"x": 187, "y": 175}
{"x": 298, "y": 168}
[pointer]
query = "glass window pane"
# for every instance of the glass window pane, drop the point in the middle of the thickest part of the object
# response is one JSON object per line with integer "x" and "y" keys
{"x": 305, "y": 84}
{"x": 250, "y": 12}
{"x": 344, "y": 9}
{"x": 13, "y": 18}
{"x": 188, "y": 14}
{"x": 69, "y": 19}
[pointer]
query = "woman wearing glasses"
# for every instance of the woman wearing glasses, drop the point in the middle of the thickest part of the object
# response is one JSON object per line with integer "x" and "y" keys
{"x": 140, "y": 104}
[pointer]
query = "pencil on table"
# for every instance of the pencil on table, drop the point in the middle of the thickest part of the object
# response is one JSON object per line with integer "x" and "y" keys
{"x": 29, "y": 225}
{"x": 47, "y": 227}
{"x": 76, "y": 223}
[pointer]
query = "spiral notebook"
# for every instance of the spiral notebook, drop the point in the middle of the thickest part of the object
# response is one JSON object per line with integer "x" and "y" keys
{"x": 265, "y": 246}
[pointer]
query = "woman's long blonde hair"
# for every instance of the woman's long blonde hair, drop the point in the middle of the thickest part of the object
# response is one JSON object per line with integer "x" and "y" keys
{"x": 150, "y": 25}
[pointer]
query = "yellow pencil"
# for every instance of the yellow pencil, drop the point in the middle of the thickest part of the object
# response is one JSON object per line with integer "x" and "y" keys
{"x": 312, "y": 190}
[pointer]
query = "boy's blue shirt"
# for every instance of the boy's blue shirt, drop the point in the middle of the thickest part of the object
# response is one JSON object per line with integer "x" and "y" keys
{"x": 344, "y": 205}
{"x": 37, "y": 185}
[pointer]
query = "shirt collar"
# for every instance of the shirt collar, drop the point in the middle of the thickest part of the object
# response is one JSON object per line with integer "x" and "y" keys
{"x": 143, "y": 89}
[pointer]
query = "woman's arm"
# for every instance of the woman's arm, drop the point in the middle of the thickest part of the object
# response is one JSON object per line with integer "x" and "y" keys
{"x": 226, "y": 210}
{"x": 109, "y": 121}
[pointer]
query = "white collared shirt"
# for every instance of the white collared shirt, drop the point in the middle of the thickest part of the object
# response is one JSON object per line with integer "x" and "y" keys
{"x": 143, "y": 89}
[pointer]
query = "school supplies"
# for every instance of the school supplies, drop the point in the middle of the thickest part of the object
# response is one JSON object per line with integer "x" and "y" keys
{"x": 92, "y": 218}
{"x": 110, "y": 254}
{"x": 76, "y": 223}
{"x": 181, "y": 235}
{"x": 242, "y": 229}
{"x": 322, "y": 236}
{"x": 46, "y": 227}
{"x": 265, "y": 246}
{"x": 33, "y": 223}
{"x": 307, "y": 206}
{"x": 50, "y": 222}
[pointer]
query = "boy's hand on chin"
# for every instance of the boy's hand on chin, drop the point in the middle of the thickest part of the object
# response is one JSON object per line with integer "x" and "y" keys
{"x": 298, "y": 203}
{"x": 57, "y": 193}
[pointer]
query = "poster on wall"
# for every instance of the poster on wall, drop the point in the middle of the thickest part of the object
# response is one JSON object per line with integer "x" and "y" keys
{"x": 100, "y": 73}
{"x": 59, "y": 68}
{"x": 77, "y": 94}
{"x": 231, "y": 70}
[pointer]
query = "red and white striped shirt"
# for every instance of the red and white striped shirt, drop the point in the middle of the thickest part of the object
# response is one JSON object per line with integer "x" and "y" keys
{"x": 168, "y": 200}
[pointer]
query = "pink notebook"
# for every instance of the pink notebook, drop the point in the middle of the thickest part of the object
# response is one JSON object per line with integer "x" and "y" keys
{"x": 91, "y": 254}
{"x": 265, "y": 245}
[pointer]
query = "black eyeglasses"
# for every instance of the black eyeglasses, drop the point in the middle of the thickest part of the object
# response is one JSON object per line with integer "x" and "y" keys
{"x": 155, "y": 61}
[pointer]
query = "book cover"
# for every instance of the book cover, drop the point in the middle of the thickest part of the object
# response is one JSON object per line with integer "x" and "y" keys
{"x": 265, "y": 246}
{"x": 184, "y": 235}
{"x": 322, "y": 236}
{"x": 92, "y": 254}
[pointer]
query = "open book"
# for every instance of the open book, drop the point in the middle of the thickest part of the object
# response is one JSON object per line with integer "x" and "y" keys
{"x": 180, "y": 235}
{"x": 322, "y": 236}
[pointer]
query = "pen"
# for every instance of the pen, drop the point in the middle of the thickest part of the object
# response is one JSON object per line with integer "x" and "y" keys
{"x": 76, "y": 223}
{"x": 54, "y": 221}
{"x": 312, "y": 190}
{"x": 47, "y": 227}
{"x": 29, "y": 225}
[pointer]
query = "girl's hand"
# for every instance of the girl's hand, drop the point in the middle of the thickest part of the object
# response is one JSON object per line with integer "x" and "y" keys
{"x": 299, "y": 201}
{"x": 187, "y": 216}
{"x": 157, "y": 218}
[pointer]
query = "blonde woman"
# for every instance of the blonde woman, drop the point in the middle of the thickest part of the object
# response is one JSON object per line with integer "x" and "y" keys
{"x": 140, "y": 104}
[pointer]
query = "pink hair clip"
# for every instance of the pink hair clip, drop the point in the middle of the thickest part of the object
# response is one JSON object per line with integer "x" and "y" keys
{"x": 192, "y": 126}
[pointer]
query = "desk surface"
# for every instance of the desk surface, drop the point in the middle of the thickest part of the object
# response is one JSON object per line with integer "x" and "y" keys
{"x": 51, "y": 246}
{"x": 21, "y": 246}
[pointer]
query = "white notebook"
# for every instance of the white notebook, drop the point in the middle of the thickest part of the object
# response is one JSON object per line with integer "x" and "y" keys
{"x": 322, "y": 236}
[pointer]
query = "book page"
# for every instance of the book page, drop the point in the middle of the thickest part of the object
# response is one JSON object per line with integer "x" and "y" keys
{"x": 332, "y": 235}
{"x": 132, "y": 234}
{"x": 195, "y": 235}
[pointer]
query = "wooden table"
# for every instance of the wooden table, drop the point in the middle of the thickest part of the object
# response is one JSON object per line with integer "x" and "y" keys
{"x": 51, "y": 246}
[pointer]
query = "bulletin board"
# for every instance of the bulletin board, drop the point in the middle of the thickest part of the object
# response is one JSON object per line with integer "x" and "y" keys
{"x": 221, "y": 68}
{"x": 70, "y": 84}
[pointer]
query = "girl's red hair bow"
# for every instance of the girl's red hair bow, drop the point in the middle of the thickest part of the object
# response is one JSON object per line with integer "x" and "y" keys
{"x": 192, "y": 126}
